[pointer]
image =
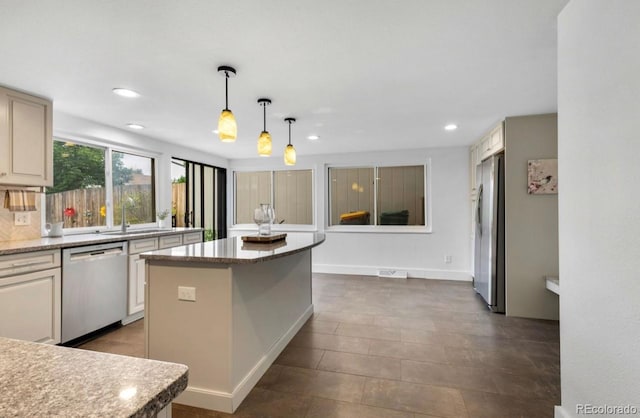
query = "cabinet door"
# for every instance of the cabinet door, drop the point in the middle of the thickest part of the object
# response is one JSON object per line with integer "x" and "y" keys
{"x": 136, "y": 284}
{"x": 26, "y": 139}
{"x": 485, "y": 147}
{"x": 30, "y": 306}
{"x": 497, "y": 139}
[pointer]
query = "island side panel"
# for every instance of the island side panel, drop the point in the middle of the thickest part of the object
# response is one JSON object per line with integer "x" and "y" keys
{"x": 271, "y": 302}
{"x": 198, "y": 333}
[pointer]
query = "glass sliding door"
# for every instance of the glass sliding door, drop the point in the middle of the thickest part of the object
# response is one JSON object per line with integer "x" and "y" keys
{"x": 200, "y": 201}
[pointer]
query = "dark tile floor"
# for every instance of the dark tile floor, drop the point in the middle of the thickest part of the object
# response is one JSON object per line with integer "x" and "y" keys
{"x": 378, "y": 348}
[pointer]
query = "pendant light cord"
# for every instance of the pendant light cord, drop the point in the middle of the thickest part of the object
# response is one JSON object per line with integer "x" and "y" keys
{"x": 226, "y": 90}
{"x": 264, "y": 114}
{"x": 289, "y": 132}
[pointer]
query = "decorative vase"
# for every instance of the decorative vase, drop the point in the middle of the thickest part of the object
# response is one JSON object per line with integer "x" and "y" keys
{"x": 264, "y": 217}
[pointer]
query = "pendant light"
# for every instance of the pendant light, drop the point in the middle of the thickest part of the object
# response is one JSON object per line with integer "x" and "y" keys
{"x": 227, "y": 127}
{"x": 264, "y": 140}
{"x": 289, "y": 151}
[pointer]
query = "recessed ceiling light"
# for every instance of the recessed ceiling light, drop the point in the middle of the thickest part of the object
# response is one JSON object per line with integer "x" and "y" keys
{"x": 451, "y": 127}
{"x": 215, "y": 131}
{"x": 126, "y": 92}
{"x": 134, "y": 126}
{"x": 313, "y": 137}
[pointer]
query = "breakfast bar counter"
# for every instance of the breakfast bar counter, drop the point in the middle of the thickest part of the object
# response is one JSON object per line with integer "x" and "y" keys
{"x": 226, "y": 308}
{"x": 40, "y": 380}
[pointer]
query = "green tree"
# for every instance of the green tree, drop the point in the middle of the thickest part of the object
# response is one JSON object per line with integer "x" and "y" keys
{"x": 78, "y": 167}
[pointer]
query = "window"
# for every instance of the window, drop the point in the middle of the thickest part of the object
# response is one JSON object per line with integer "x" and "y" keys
{"x": 82, "y": 185}
{"x": 290, "y": 192}
{"x": 132, "y": 181}
{"x": 392, "y": 195}
{"x": 78, "y": 196}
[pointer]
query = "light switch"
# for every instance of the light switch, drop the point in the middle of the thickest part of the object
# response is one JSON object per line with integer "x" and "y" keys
{"x": 187, "y": 293}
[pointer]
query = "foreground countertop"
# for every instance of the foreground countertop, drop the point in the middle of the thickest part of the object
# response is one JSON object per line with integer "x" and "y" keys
{"x": 46, "y": 381}
{"x": 235, "y": 251}
{"x": 68, "y": 241}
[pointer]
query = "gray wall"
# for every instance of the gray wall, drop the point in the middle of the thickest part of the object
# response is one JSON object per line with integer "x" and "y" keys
{"x": 531, "y": 220}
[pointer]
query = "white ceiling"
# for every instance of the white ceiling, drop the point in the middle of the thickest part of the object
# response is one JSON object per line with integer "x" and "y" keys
{"x": 362, "y": 74}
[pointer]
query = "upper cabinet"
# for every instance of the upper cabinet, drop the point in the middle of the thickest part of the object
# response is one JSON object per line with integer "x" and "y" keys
{"x": 492, "y": 143}
{"x": 26, "y": 144}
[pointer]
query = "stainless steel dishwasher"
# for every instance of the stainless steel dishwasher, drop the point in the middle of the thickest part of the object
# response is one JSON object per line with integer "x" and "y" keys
{"x": 94, "y": 288}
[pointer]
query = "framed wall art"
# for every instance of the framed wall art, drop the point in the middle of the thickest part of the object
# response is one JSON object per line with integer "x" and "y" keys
{"x": 543, "y": 176}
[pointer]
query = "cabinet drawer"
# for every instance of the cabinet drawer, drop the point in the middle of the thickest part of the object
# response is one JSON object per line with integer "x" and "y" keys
{"x": 26, "y": 262}
{"x": 170, "y": 241}
{"x": 192, "y": 238}
{"x": 142, "y": 245}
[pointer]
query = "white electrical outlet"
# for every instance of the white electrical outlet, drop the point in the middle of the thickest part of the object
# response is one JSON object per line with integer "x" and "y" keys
{"x": 22, "y": 219}
{"x": 448, "y": 259}
{"x": 187, "y": 293}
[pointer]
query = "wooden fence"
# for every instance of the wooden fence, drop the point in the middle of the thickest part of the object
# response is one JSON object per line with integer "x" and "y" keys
{"x": 90, "y": 206}
{"x": 179, "y": 201}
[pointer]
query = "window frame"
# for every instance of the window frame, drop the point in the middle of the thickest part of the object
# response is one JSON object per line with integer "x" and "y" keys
{"x": 427, "y": 228}
{"x": 108, "y": 148}
{"x": 313, "y": 227}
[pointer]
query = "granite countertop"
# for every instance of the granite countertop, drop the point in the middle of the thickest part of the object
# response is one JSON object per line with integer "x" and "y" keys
{"x": 67, "y": 241}
{"x": 235, "y": 251}
{"x": 50, "y": 381}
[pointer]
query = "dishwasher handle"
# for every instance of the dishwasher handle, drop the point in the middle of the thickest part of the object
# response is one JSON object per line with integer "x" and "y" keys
{"x": 85, "y": 255}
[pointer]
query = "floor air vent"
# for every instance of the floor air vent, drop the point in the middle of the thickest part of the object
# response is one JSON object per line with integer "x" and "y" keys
{"x": 394, "y": 274}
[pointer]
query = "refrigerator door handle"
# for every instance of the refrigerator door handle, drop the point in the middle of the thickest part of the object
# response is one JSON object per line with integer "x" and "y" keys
{"x": 479, "y": 211}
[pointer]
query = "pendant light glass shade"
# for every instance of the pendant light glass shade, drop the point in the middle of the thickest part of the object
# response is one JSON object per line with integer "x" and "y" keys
{"x": 290, "y": 151}
{"x": 264, "y": 144}
{"x": 264, "y": 140}
{"x": 227, "y": 127}
{"x": 290, "y": 155}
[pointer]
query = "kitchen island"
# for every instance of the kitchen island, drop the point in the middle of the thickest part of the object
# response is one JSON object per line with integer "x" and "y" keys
{"x": 226, "y": 309}
{"x": 40, "y": 380}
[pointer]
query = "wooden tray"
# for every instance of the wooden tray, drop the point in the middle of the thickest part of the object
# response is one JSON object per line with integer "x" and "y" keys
{"x": 267, "y": 239}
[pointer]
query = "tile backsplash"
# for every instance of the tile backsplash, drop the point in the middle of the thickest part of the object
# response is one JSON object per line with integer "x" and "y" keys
{"x": 11, "y": 232}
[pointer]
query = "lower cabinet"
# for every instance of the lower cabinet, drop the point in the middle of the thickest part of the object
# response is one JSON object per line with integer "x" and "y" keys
{"x": 36, "y": 297}
{"x": 135, "y": 305}
{"x": 136, "y": 284}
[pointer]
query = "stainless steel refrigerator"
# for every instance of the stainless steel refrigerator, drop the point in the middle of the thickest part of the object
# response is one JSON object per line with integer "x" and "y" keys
{"x": 489, "y": 274}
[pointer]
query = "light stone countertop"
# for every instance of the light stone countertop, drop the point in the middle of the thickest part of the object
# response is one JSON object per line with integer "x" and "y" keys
{"x": 67, "y": 241}
{"x": 40, "y": 380}
{"x": 234, "y": 251}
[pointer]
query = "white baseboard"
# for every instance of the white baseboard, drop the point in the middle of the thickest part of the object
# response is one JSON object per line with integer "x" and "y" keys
{"x": 464, "y": 276}
{"x": 229, "y": 402}
{"x": 560, "y": 412}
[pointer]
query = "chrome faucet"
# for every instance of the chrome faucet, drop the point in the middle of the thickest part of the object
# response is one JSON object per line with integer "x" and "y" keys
{"x": 124, "y": 212}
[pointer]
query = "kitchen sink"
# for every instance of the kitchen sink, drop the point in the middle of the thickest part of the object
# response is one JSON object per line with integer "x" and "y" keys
{"x": 135, "y": 231}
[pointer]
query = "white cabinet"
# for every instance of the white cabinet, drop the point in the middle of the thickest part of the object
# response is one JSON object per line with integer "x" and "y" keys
{"x": 135, "y": 304}
{"x": 169, "y": 241}
{"x": 26, "y": 144}
{"x": 30, "y": 293}
{"x": 192, "y": 238}
{"x": 136, "y": 284}
{"x": 492, "y": 143}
